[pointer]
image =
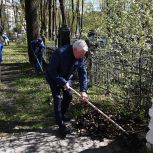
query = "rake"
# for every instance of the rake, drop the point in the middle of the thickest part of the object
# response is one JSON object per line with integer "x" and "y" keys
{"x": 102, "y": 113}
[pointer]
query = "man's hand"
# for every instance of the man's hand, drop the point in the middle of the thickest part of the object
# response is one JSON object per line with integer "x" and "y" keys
{"x": 84, "y": 96}
{"x": 66, "y": 86}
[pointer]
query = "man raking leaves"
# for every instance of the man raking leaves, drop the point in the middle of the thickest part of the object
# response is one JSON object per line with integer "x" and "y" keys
{"x": 64, "y": 62}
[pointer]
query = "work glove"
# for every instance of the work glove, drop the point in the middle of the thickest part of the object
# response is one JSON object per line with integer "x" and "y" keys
{"x": 84, "y": 96}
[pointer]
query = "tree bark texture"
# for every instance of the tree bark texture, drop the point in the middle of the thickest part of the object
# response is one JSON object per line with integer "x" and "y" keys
{"x": 31, "y": 25}
{"x": 62, "y": 12}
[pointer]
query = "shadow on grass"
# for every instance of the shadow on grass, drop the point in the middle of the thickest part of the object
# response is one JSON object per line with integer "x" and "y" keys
{"x": 15, "y": 48}
{"x": 26, "y": 104}
{"x": 25, "y": 97}
{"x": 14, "y": 66}
{"x": 13, "y": 71}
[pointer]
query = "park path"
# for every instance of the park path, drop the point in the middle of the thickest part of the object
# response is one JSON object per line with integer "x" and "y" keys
{"x": 48, "y": 142}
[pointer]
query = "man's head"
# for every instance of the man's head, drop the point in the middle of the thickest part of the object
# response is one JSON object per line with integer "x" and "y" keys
{"x": 80, "y": 49}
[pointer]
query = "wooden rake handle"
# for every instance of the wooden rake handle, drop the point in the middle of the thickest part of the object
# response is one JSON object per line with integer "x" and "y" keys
{"x": 102, "y": 113}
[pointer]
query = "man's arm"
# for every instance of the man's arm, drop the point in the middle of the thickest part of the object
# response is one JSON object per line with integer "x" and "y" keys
{"x": 83, "y": 80}
{"x": 82, "y": 76}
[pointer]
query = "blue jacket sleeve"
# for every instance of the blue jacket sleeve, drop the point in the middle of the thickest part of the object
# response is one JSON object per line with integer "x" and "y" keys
{"x": 82, "y": 76}
{"x": 53, "y": 69}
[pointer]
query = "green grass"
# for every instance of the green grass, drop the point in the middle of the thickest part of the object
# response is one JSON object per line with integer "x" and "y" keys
{"x": 15, "y": 54}
{"x": 25, "y": 98}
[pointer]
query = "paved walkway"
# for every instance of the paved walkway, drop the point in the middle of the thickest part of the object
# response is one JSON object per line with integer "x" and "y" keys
{"x": 47, "y": 141}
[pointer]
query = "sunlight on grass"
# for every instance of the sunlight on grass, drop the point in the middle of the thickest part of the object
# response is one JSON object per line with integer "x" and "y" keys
{"x": 15, "y": 54}
{"x": 27, "y": 97}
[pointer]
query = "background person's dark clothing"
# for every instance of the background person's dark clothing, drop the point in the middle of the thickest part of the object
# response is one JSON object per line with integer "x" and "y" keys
{"x": 60, "y": 68}
{"x": 37, "y": 47}
{"x": 1, "y": 48}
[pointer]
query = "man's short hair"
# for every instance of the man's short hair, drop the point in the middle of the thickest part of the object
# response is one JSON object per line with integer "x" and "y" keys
{"x": 80, "y": 45}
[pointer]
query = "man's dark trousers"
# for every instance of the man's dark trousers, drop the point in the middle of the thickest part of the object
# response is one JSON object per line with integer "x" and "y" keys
{"x": 61, "y": 103}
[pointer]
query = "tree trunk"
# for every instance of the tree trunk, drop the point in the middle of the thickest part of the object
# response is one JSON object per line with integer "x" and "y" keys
{"x": 81, "y": 24}
{"x": 15, "y": 10}
{"x": 73, "y": 17}
{"x": 53, "y": 20}
{"x": 43, "y": 8}
{"x": 41, "y": 16}
{"x": 62, "y": 12}
{"x": 1, "y": 22}
{"x": 78, "y": 18}
{"x": 49, "y": 20}
{"x": 31, "y": 24}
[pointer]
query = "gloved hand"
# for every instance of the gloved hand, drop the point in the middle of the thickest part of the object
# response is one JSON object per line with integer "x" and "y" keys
{"x": 84, "y": 96}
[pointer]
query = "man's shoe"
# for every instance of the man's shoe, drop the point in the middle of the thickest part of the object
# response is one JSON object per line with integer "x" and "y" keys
{"x": 63, "y": 130}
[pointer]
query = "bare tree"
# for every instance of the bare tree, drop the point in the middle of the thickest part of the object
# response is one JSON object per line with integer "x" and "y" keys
{"x": 15, "y": 9}
{"x": 1, "y": 27}
{"x": 53, "y": 19}
{"x": 78, "y": 18}
{"x": 62, "y": 12}
{"x": 73, "y": 17}
{"x": 43, "y": 10}
{"x": 81, "y": 24}
{"x": 49, "y": 18}
{"x": 31, "y": 24}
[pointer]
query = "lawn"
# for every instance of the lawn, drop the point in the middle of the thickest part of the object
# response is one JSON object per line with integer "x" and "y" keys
{"x": 24, "y": 96}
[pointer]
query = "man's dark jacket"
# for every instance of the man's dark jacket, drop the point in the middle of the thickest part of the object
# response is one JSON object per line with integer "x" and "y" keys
{"x": 63, "y": 64}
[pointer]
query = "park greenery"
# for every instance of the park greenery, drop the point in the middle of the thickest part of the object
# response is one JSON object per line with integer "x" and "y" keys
{"x": 119, "y": 67}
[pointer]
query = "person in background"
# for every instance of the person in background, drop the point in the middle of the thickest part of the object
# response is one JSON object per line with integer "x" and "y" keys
{"x": 6, "y": 39}
{"x": 1, "y": 48}
{"x": 37, "y": 47}
{"x": 63, "y": 63}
